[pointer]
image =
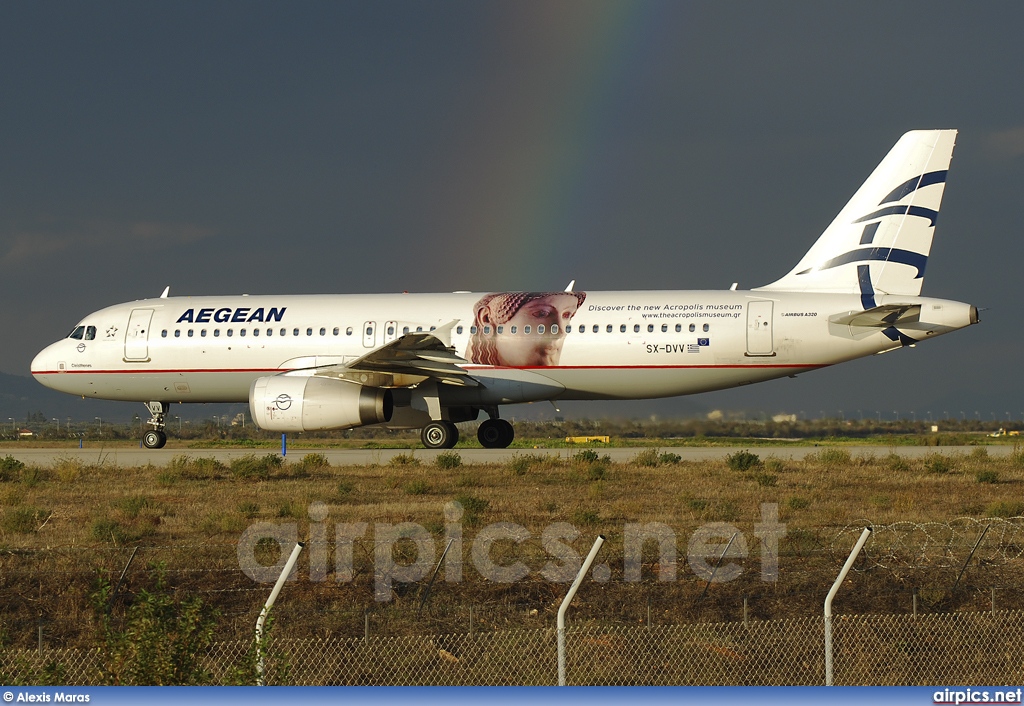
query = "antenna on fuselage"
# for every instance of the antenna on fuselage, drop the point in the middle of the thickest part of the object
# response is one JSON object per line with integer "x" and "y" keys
{"x": 167, "y": 290}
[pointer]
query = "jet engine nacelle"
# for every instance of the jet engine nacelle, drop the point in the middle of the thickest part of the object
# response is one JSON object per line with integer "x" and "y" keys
{"x": 287, "y": 403}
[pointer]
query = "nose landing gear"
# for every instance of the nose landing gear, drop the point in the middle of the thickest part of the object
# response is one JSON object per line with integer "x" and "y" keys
{"x": 155, "y": 438}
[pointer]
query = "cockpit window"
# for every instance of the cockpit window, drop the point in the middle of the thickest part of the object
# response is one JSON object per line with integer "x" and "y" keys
{"x": 77, "y": 333}
{"x": 90, "y": 333}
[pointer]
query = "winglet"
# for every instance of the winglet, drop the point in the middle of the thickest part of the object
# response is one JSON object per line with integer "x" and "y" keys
{"x": 167, "y": 290}
{"x": 444, "y": 333}
{"x": 571, "y": 285}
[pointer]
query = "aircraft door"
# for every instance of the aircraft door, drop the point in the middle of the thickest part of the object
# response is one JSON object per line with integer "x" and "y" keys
{"x": 136, "y": 337}
{"x": 390, "y": 331}
{"x": 759, "y": 329}
{"x": 369, "y": 334}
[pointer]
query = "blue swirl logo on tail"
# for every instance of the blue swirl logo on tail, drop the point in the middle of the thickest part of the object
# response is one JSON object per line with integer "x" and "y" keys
{"x": 877, "y": 254}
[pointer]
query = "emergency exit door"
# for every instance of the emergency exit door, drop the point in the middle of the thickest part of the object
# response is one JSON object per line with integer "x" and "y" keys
{"x": 759, "y": 329}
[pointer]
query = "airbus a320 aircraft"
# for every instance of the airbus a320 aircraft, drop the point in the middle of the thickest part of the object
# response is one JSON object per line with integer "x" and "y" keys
{"x": 428, "y": 361}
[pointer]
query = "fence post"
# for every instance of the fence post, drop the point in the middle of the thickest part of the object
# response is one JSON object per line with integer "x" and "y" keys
{"x": 832, "y": 594}
{"x": 288, "y": 566}
{"x": 565, "y": 604}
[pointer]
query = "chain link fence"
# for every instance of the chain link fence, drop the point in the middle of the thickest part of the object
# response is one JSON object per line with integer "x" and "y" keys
{"x": 949, "y": 648}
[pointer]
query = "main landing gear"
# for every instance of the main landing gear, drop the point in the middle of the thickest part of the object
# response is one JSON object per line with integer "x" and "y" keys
{"x": 440, "y": 435}
{"x": 155, "y": 438}
{"x": 492, "y": 434}
{"x": 495, "y": 433}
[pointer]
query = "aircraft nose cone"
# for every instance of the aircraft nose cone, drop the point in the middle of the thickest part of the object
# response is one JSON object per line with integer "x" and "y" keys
{"x": 39, "y": 362}
{"x": 44, "y": 363}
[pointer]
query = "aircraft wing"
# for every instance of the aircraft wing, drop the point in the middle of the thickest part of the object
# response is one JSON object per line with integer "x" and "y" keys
{"x": 408, "y": 360}
{"x": 880, "y": 316}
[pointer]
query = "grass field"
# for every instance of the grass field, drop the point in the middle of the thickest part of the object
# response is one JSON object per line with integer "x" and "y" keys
{"x": 63, "y": 527}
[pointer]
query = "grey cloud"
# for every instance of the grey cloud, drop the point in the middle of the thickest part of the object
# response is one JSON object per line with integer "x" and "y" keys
{"x": 33, "y": 244}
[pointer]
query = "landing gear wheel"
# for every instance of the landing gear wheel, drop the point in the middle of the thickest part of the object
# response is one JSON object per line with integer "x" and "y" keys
{"x": 440, "y": 435}
{"x": 495, "y": 434}
{"x": 154, "y": 439}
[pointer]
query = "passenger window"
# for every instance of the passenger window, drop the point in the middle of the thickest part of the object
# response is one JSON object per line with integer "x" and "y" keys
{"x": 664, "y": 328}
{"x": 369, "y": 331}
{"x": 323, "y": 332}
{"x": 202, "y": 333}
{"x": 596, "y": 328}
{"x": 526, "y": 329}
{"x": 540, "y": 328}
{"x": 679, "y": 327}
{"x": 90, "y": 333}
{"x": 163, "y": 334}
{"x": 707, "y": 328}
{"x": 514, "y": 329}
{"x": 270, "y": 332}
{"x": 501, "y": 329}
{"x": 309, "y": 332}
{"x": 295, "y": 332}
{"x": 231, "y": 332}
{"x": 405, "y": 331}
{"x": 336, "y": 330}
{"x": 582, "y": 329}
{"x": 419, "y": 329}
{"x": 458, "y": 330}
{"x": 255, "y": 332}
{"x": 190, "y": 333}
{"x": 241, "y": 332}
{"x": 216, "y": 332}
{"x": 692, "y": 328}
{"x": 348, "y": 331}
{"x": 473, "y": 330}
{"x": 622, "y": 328}
{"x": 487, "y": 330}
{"x": 284, "y": 332}
{"x": 433, "y": 328}
{"x": 77, "y": 333}
{"x": 636, "y": 328}
{"x": 608, "y": 328}
{"x": 568, "y": 328}
{"x": 650, "y": 328}
{"x": 177, "y": 333}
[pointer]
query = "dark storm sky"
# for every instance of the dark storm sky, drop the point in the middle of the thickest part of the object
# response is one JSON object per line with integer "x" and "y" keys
{"x": 301, "y": 147}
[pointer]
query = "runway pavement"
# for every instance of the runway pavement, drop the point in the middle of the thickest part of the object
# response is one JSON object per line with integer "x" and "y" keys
{"x": 128, "y": 457}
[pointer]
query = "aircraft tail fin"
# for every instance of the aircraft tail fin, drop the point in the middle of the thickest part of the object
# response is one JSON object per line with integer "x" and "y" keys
{"x": 880, "y": 241}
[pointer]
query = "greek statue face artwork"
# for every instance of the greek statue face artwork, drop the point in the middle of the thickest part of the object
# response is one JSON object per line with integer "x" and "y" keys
{"x": 521, "y": 329}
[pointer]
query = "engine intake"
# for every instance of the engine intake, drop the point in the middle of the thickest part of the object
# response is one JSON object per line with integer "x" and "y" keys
{"x": 287, "y": 403}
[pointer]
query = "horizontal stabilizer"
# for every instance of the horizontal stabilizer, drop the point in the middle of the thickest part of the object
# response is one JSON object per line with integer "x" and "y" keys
{"x": 880, "y": 316}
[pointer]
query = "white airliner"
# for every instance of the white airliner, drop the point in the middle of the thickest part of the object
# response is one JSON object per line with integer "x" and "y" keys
{"x": 430, "y": 360}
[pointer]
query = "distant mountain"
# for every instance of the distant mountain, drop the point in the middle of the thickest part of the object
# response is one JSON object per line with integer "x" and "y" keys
{"x": 21, "y": 396}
